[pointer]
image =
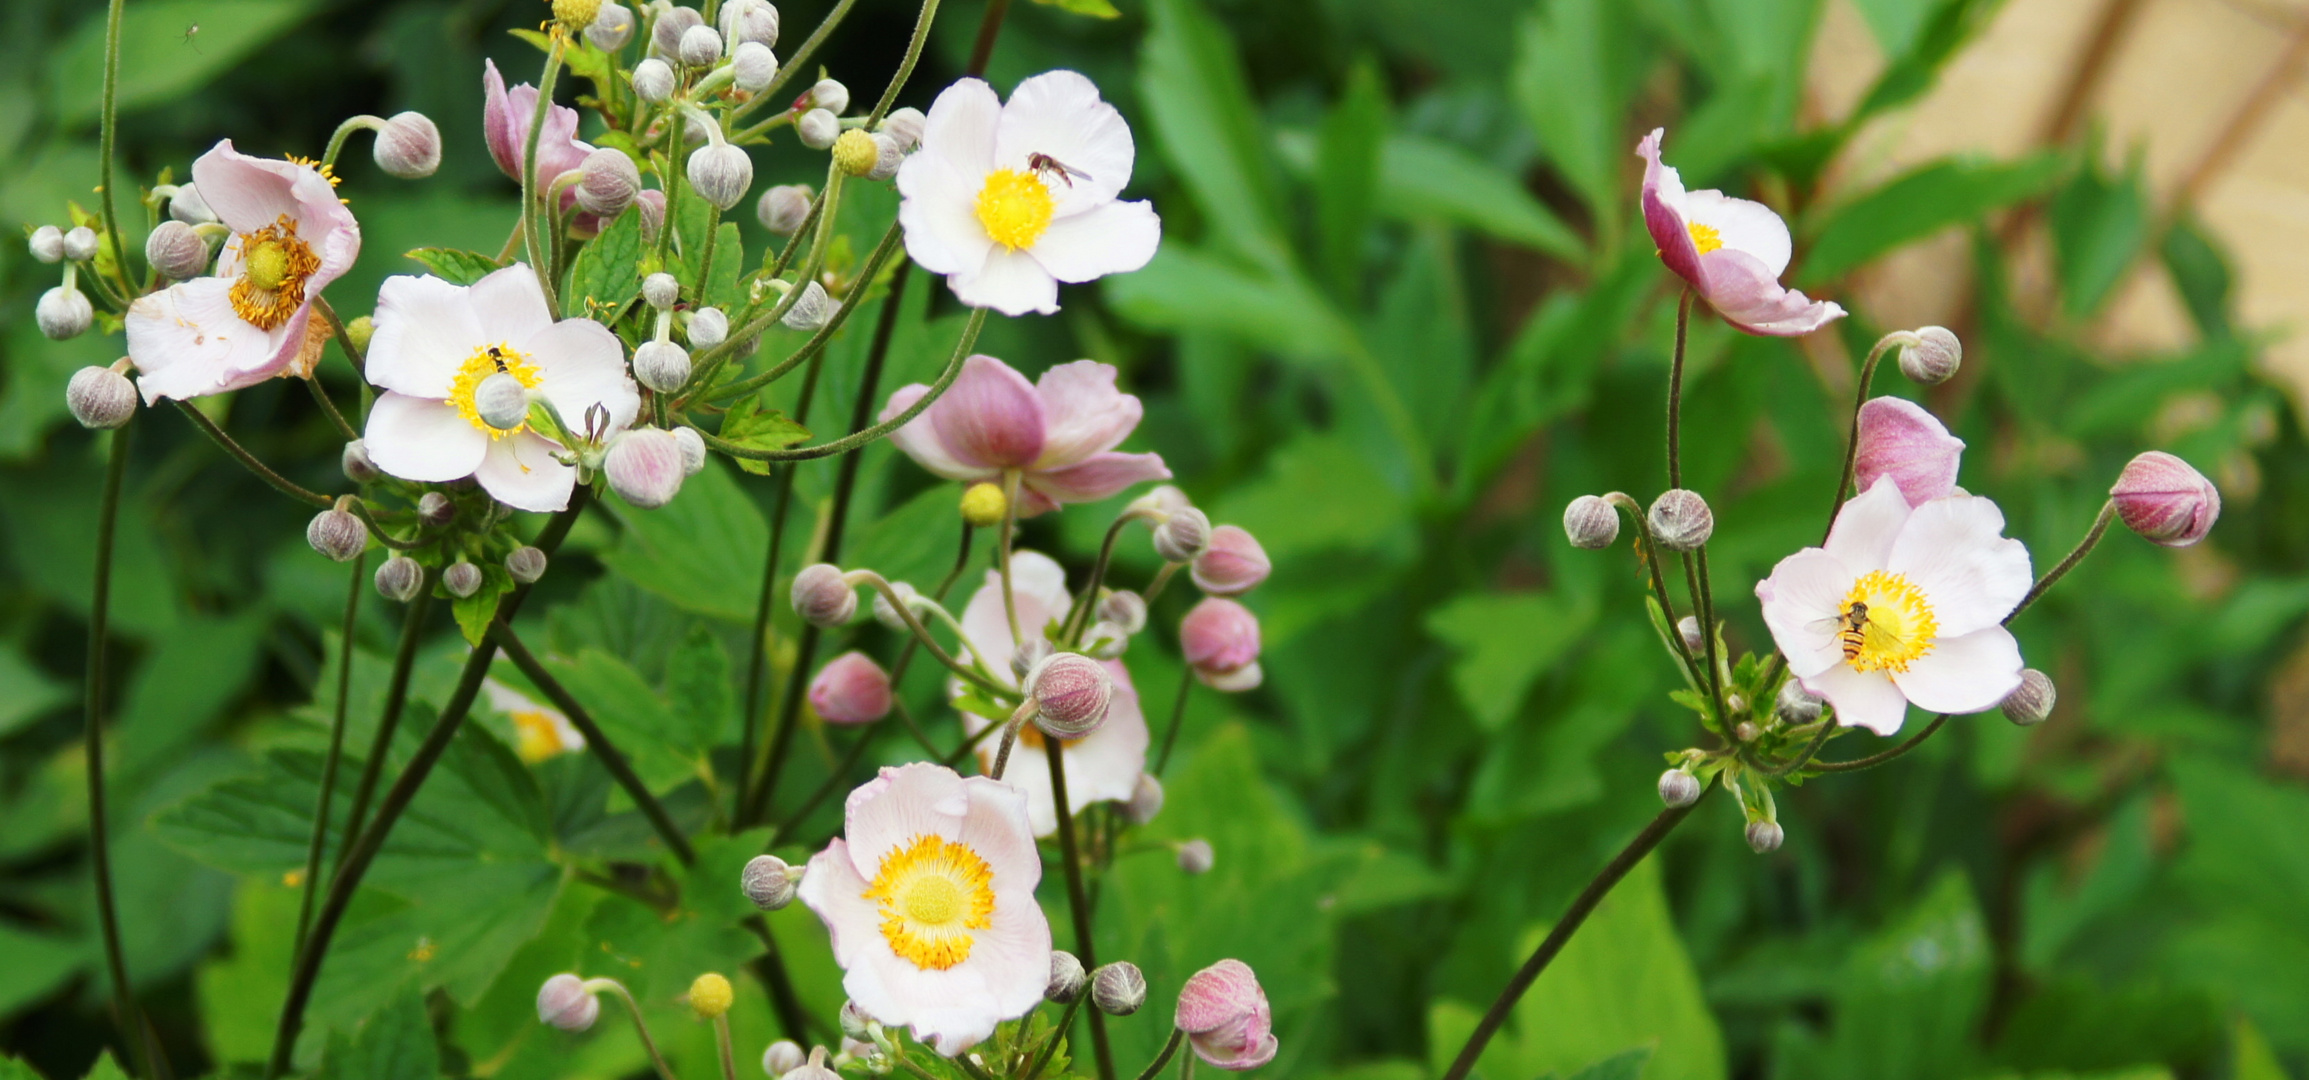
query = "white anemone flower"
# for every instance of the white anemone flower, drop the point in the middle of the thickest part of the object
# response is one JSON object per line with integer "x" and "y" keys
{"x": 436, "y": 343}
{"x": 1902, "y": 606}
{"x": 929, "y": 898}
{"x": 540, "y": 731}
{"x": 1102, "y": 766}
{"x": 1008, "y": 200}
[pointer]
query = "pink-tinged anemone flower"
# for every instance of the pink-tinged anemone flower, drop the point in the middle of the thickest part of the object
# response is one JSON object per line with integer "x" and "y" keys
{"x": 1903, "y": 605}
{"x": 1008, "y": 200}
{"x": 435, "y": 344}
{"x": 1731, "y": 250}
{"x": 291, "y": 237}
{"x": 1226, "y": 1018}
{"x": 1058, "y": 432}
{"x": 1102, "y": 766}
{"x": 505, "y": 118}
{"x": 929, "y": 898}
{"x": 1900, "y": 440}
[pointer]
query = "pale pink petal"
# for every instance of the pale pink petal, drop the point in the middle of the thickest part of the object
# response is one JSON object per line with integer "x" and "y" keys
{"x": 1083, "y": 413}
{"x": 1749, "y": 296}
{"x": 919, "y": 800}
{"x": 1663, "y": 207}
{"x": 1801, "y": 601}
{"x": 1899, "y": 439}
{"x": 1112, "y": 238}
{"x": 1955, "y": 551}
{"x": 918, "y": 439}
{"x": 1101, "y": 767}
{"x": 1965, "y": 674}
{"x": 961, "y": 128}
{"x": 423, "y": 439}
{"x": 1041, "y": 586}
{"x": 1097, "y": 478}
{"x": 1059, "y": 114}
{"x": 510, "y": 304}
{"x": 426, "y": 330}
{"x": 990, "y": 417}
{"x": 1862, "y": 699}
{"x": 581, "y": 364}
{"x": 520, "y": 472}
{"x": 1865, "y": 529}
{"x": 248, "y": 193}
{"x": 505, "y": 120}
{"x": 940, "y": 215}
{"x": 187, "y": 342}
{"x": 834, "y": 889}
{"x": 1742, "y": 225}
{"x": 1011, "y": 282}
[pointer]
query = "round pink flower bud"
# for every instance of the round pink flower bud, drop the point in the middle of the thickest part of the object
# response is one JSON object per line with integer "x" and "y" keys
{"x": 1146, "y": 800}
{"x": 400, "y": 579}
{"x": 1071, "y": 693}
{"x": 611, "y": 28}
{"x": 1183, "y": 535}
{"x": 356, "y": 464}
{"x": 63, "y": 314}
{"x": 2031, "y": 702}
{"x": 1764, "y": 837}
{"x": 436, "y": 509}
{"x": 1125, "y": 609}
{"x": 408, "y": 146}
{"x": 100, "y": 398}
{"x": 1591, "y": 523}
{"x": 609, "y": 181}
{"x": 783, "y": 208}
{"x": 822, "y": 598}
{"x": 721, "y": 172}
{"x": 851, "y": 689}
{"x": 565, "y": 1003}
{"x": 817, "y": 129}
{"x": 753, "y": 66}
{"x": 693, "y": 450}
{"x": 1118, "y": 989}
{"x": 526, "y": 564}
{"x": 1226, "y": 1017}
{"x": 2160, "y": 497}
{"x": 770, "y": 884}
{"x": 700, "y": 46}
{"x": 1220, "y": 639}
{"x": 1067, "y": 979}
{"x": 905, "y": 126}
{"x": 337, "y": 534}
{"x": 48, "y": 242}
{"x": 1933, "y": 358}
{"x": 665, "y": 37}
{"x": 830, "y": 95}
{"x": 1195, "y": 856}
{"x": 80, "y": 244}
{"x": 1232, "y": 564}
{"x": 653, "y": 78}
{"x": 651, "y": 203}
{"x": 661, "y": 365}
{"x": 750, "y": 21}
{"x": 1680, "y": 520}
{"x": 1679, "y": 788}
{"x": 645, "y": 467}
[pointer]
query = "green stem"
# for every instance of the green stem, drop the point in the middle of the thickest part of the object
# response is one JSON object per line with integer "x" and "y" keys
{"x": 320, "y": 838}
{"x": 1852, "y": 438}
{"x": 1651, "y": 553}
{"x": 1178, "y": 714}
{"x": 1010, "y": 489}
{"x": 248, "y": 460}
{"x": 633, "y": 1009}
{"x": 107, "y": 139}
{"x": 145, "y": 1051}
{"x": 1078, "y": 620}
{"x": 722, "y": 1044}
{"x": 1827, "y": 731}
{"x": 1704, "y": 610}
{"x": 857, "y": 439}
{"x": 1676, "y": 398}
{"x": 832, "y": 783}
{"x": 817, "y": 342}
{"x": 1873, "y": 760}
{"x": 534, "y": 237}
{"x": 321, "y": 397}
{"x": 1057, "y": 1034}
{"x": 1054, "y": 751}
{"x": 1170, "y": 1046}
{"x": 2076, "y": 555}
{"x": 389, "y": 722}
{"x": 989, "y": 27}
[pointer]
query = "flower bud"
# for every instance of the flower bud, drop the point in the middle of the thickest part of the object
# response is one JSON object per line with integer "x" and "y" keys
{"x": 1796, "y": 705}
{"x": 672, "y": 23}
{"x": 661, "y": 365}
{"x": 1125, "y": 609}
{"x": 1220, "y": 640}
{"x": 811, "y": 312}
{"x": 1746, "y": 731}
{"x": 783, "y": 208}
{"x": 653, "y": 80}
{"x": 1680, "y": 520}
{"x": 611, "y": 28}
{"x": 708, "y": 327}
{"x": 851, "y": 689}
{"x": 526, "y": 564}
{"x": 782, "y": 1057}
{"x": 1067, "y": 979}
{"x": 822, "y": 598}
{"x": 710, "y": 994}
{"x": 769, "y": 883}
{"x": 1118, "y": 989}
{"x": 337, "y": 534}
{"x": 436, "y": 509}
{"x": 355, "y": 461}
{"x": 887, "y": 158}
{"x": 502, "y": 401}
{"x": 400, "y": 579}
{"x": 1231, "y": 564}
{"x": 1688, "y": 628}
{"x": 830, "y": 95}
{"x": 855, "y": 1023}
{"x": 187, "y": 206}
{"x": 608, "y": 182}
{"x": 905, "y": 126}
{"x": 176, "y": 251}
{"x": 565, "y": 1003}
{"x": 1071, "y": 694}
{"x": 2031, "y": 702}
{"x": 359, "y": 331}
{"x": 463, "y": 579}
{"x": 2160, "y": 497}
{"x": 701, "y": 46}
{"x": 80, "y": 244}
{"x": 100, "y": 398}
{"x": 721, "y": 173}
{"x": 854, "y": 152}
{"x": 408, "y": 146}
{"x": 983, "y": 504}
{"x": 818, "y": 129}
{"x": 1030, "y": 652}
{"x": 693, "y": 450}
{"x": 1679, "y": 788}
{"x": 661, "y": 290}
{"x": 1183, "y": 535}
{"x": 1226, "y": 1018}
{"x": 1146, "y": 800}
{"x": 886, "y": 612}
{"x": 651, "y": 203}
{"x": 644, "y": 467}
{"x": 1765, "y": 836}
{"x": 1933, "y": 358}
{"x": 576, "y": 15}
{"x": 63, "y": 313}
{"x": 48, "y": 242}
{"x": 753, "y": 67}
{"x": 1195, "y": 856}
{"x": 1591, "y": 523}
{"x": 750, "y": 22}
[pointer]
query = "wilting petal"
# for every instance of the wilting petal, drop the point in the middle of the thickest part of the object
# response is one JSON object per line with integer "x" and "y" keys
{"x": 186, "y": 342}
{"x": 1899, "y": 439}
{"x": 1866, "y": 700}
{"x": 1663, "y": 207}
{"x": 248, "y": 193}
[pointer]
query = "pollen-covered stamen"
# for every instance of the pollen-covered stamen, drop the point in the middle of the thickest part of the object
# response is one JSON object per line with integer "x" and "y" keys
{"x": 932, "y": 893}
{"x": 538, "y": 738}
{"x": 1704, "y": 237}
{"x": 274, "y": 266}
{"x": 486, "y": 361}
{"x": 1015, "y": 207}
{"x": 1888, "y": 623}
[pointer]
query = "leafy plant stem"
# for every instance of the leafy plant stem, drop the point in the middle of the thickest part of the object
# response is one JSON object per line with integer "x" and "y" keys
{"x": 396, "y": 699}
{"x": 1827, "y": 731}
{"x": 534, "y": 236}
{"x": 860, "y": 438}
{"x": 1852, "y": 437}
{"x": 108, "y": 138}
{"x": 1077, "y": 902}
{"x": 2069, "y": 562}
{"x": 1659, "y": 582}
{"x": 1057, "y": 1035}
{"x": 345, "y": 632}
{"x": 240, "y": 453}
{"x": 1703, "y": 607}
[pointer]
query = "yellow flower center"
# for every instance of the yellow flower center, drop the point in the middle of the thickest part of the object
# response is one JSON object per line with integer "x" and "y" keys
{"x": 274, "y": 266}
{"x": 1705, "y": 237}
{"x": 933, "y": 892}
{"x": 1887, "y": 624}
{"x": 538, "y": 738}
{"x": 1015, "y": 207}
{"x": 486, "y": 361}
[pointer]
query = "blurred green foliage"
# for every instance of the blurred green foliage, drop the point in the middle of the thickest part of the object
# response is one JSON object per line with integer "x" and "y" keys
{"x": 1402, "y": 313}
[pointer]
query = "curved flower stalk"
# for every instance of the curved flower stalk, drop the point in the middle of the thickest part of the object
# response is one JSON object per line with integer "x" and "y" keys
{"x": 1058, "y": 432}
{"x": 1732, "y": 251}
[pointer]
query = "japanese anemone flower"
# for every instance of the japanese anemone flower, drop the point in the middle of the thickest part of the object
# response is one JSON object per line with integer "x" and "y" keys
{"x": 1058, "y": 432}
{"x": 929, "y": 898}
{"x": 435, "y": 345}
{"x": 1102, "y": 766}
{"x": 1008, "y": 200}
{"x": 1732, "y": 251}
{"x": 1903, "y": 605}
{"x": 291, "y": 237}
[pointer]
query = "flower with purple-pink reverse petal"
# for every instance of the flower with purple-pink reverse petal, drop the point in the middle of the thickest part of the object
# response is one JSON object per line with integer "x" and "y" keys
{"x": 505, "y": 118}
{"x": 1219, "y": 639}
{"x": 929, "y": 898}
{"x": 2165, "y": 500}
{"x": 1900, "y": 440}
{"x": 1058, "y": 432}
{"x": 1225, "y": 1016}
{"x": 1732, "y": 251}
{"x": 291, "y": 237}
{"x": 851, "y": 689}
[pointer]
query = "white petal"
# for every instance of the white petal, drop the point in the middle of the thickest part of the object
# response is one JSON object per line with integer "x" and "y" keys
{"x": 919, "y": 800}
{"x": 1040, "y": 596}
{"x": 1041, "y": 583}
{"x": 423, "y": 439}
{"x": 1965, "y": 674}
{"x": 581, "y": 364}
{"x": 960, "y": 128}
{"x": 1742, "y": 225}
{"x": 519, "y": 471}
{"x": 940, "y": 215}
{"x": 1060, "y": 114}
{"x": 511, "y": 305}
{"x": 1801, "y": 600}
{"x": 1866, "y": 700}
{"x": 1866, "y": 527}
{"x": 186, "y": 341}
{"x": 1954, "y": 549}
{"x": 426, "y": 330}
{"x": 1115, "y": 238}
{"x": 1011, "y": 282}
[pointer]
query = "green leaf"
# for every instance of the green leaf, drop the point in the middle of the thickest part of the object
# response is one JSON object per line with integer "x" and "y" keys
{"x": 579, "y": 56}
{"x": 656, "y": 953}
{"x": 1319, "y": 494}
{"x": 702, "y": 552}
{"x": 1188, "y": 289}
{"x": 1625, "y": 1065}
{"x": 1896, "y": 23}
{"x": 2099, "y": 223}
{"x": 1195, "y": 93}
{"x": 756, "y": 428}
{"x": 1917, "y": 205}
{"x": 1951, "y": 24}
{"x": 1422, "y": 177}
{"x": 2250, "y": 1054}
{"x": 105, "y": 1068}
{"x": 475, "y": 612}
{"x": 697, "y": 686}
{"x": 240, "y": 992}
{"x": 454, "y": 266}
{"x": 1096, "y": 9}
{"x": 914, "y": 542}
{"x": 1570, "y": 79}
{"x": 2201, "y": 275}
{"x": 162, "y": 56}
{"x": 37, "y": 964}
{"x": 663, "y": 746}
{"x": 1347, "y": 178}
{"x": 25, "y": 691}
{"x": 1910, "y": 999}
{"x": 395, "y": 1044}
{"x": 607, "y": 272}
{"x": 1504, "y": 644}
{"x": 729, "y": 263}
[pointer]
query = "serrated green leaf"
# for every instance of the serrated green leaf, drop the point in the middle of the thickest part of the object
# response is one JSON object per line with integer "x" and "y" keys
{"x": 663, "y": 746}
{"x": 702, "y": 552}
{"x": 454, "y": 266}
{"x": 1504, "y": 644}
{"x": 607, "y": 272}
{"x": 395, "y": 1044}
{"x": 475, "y": 612}
{"x": 755, "y": 428}
{"x": 697, "y": 686}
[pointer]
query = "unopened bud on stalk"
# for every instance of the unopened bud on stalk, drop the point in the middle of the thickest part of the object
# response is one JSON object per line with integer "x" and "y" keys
{"x": 609, "y": 181}
{"x": 855, "y": 1023}
{"x": 2031, "y": 702}
{"x": 816, "y": 1069}
{"x": 359, "y": 331}
{"x": 854, "y": 152}
{"x": 1125, "y": 609}
{"x": 1183, "y": 536}
{"x": 565, "y": 1003}
{"x": 693, "y": 450}
{"x": 1071, "y": 695}
{"x": 769, "y": 883}
{"x": 661, "y": 290}
{"x": 708, "y": 327}
{"x": 502, "y": 401}
{"x": 661, "y": 365}
{"x": 700, "y": 46}
{"x": 905, "y": 126}
{"x": 187, "y": 206}
{"x": 176, "y": 251}
{"x": 337, "y": 534}
{"x": 822, "y": 598}
{"x": 782, "y": 1057}
{"x": 1746, "y": 731}
{"x": 463, "y": 579}
{"x": 651, "y": 203}
{"x": 1933, "y": 357}
{"x": 1680, "y": 520}
{"x": 886, "y": 612}
{"x": 851, "y": 689}
{"x": 408, "y": 146}
{"x": 400, "y": 579}
{"x": 1030, "y": 652}
{"x": 80, "y": 244}
{"x": 100, "y": 398}
{"x": 644, "y": 466}
{"x": 710, "y": 996}
{"x": 526, "y": 564}
{"x": 1688, "y": 628}
{"x": 830, "y": 95}
{"x": 653, "y": 80}
{"x": 811, "y": 311}
{"x": 753, "y": 66}
{"x": 1195, "y": 856}
{"x": 887, "y": 157}
{"x": 1735, "y": 704}
{"x": 2160, "y": 497}
{"x": 355, "y": 461}
{"x": 783, "y": 208}
{"x": 672, "y": 23}
{"x": 818, "y": 129}
{"x": 1232, "y": 563}
{"x": 750, "y": 21}
{"x": 1796, "y": 705}
{"x": 1679, "y": 788}
{"x": 1591, "y": 523}
{"x": 1118, "y": 989}
{"x": 1765, "y": 836}
{"x": 611, "y": 28}
{"x": 63, "y": 313}
{"x": 721, "y": 173}
{"x": 1146, "y": 800}
{"x": 436, "y": 509}
{"x": 48, "y": 242}
{"x": 1067, "y": 979}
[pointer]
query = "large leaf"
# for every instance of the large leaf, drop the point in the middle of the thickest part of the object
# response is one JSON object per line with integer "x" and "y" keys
{"x": 1918, "y": 204}
{"x": 167, "y": 48}
{"x": 25, "y": 691}
{"x": 395, "y": 1044}
{"x": 607, "y": 271}
{"x": 665, "y": 748}
{"x": 1910, "y": 999}
{"x": 702, "y": 551}
{"x": 1347, "y": 179}
{"x": 1423, "y": 177}
{"x": 1200, "y": 104}
{"x": 1504, "y": 644}
{"x": 1573, "y": 59}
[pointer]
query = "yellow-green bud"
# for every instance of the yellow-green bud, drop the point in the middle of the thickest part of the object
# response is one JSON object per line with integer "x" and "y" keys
{"x": 576, "y": 14}
{"x": 710, "y": 996}
{"x": 359, "y": 331}
{"x": 855, "y": 152}
{"x": 983, "y": 505}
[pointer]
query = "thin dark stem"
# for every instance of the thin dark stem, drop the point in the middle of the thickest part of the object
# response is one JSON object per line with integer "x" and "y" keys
{"x": 1054, "y": 751}
{"x": 757, "y": 664}
{"x": 388, "y": 722}
{"x": 2076, "y": 555}
{"x": 1170, "y": 1046}
{"x": 344, "y": 341}
{"x": 770, "y": 967}
{"x": 1078, "y": 619}
{"x": 969, "y": 743}
{"x": 1703, "y": 611}
{"x": 989, "y": 27}
{"x": 280, "y": 483}
{"x": 107, "y": 139}
{"x": 1057, "y": 1035}
{"x": 320, "y": 838}
{"x": 1676, "y": 396}
{"x": 861, "y": 437}
{"x": 832, "y": 783}
{"x": 906, "y": 66}
{"x": 132, "y": 1029}
{"x": 1873, "y": 760}
{"x": 1852, "y": 437}
{"x": 321, "y": 395}
{"x": 971, "y": 1067}
{"x": 891, "y": 239}
{"x": 1827, "y": 731}
{"x": 633, "y": 1009}
{"x": 596, "y": 741}
{"x": 1178, "y": 714}
{"x": 1581, "y": 907}
{"x": 1651, "y": 554}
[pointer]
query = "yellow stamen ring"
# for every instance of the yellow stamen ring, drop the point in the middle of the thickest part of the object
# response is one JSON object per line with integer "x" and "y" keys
{"x": 932, "y": 893}
{"x": 1888, "y": 624}
{"x": 486, "y": 361}
{"x": 1704, "y": 237}
{"x": 1015, "y": 207}
{"x": 274, "y": 266}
